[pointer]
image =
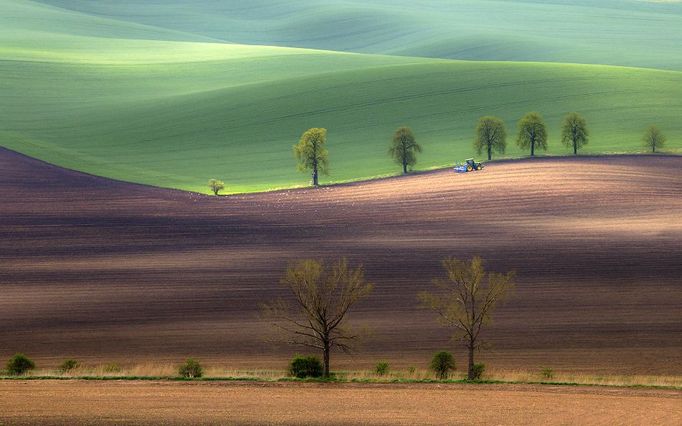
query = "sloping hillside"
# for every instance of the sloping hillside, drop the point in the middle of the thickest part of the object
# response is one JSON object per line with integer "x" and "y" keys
{"x": 122, "y": 90}
{"x": 106, "y": 271}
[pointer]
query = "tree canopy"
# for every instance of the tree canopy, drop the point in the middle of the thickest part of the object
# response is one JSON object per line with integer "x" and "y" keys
{"x": 312, "y": 154}
{"x": 216, "y": 186}
{"x": 532, "y": 133}
{"x": 404, "y": 148}
{"x": 574, "y": 131}
{"x": 654, "y": 139}
{"x": 491, "y": 135}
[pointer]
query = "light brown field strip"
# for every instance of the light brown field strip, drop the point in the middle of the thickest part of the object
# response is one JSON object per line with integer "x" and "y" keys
{"x": 288, "y": 404}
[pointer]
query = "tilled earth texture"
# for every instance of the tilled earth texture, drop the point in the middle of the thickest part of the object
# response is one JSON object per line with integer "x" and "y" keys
{"x": 106, "y": 271}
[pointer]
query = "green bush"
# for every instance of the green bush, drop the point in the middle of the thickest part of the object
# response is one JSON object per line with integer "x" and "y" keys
{"x": 478, "y": 371}
{"x": 381, "y": 368}
{"x": 191, "y": 369}
{"x": 68, "y": 365}
{"x": 442, "y": 363}
{"x": 112, "y": 368}
{"x": 305, "y": 366}
{"x": 547, "y": 373}
{"x": 19, "y": 364}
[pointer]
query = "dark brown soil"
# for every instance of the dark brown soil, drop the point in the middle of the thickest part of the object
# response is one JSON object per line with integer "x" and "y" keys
{"x": 109, "y": 271}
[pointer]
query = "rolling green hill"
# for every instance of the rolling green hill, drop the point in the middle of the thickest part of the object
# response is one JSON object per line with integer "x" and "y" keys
{"x": 169, "y": 105}
{"x": 636, "y": 33}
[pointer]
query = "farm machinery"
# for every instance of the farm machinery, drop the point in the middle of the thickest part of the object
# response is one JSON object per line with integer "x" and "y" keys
{"x": 468, "y": 166}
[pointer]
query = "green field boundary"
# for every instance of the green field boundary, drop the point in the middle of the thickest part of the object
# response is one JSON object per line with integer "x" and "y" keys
{"x": 363, "y": 180}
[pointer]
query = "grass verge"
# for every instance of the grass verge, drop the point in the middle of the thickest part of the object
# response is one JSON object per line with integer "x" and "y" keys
{"x": 500, "y": 377}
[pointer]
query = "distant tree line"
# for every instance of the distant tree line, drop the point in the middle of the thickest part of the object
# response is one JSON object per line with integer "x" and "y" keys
{"x": 490, "y": 138}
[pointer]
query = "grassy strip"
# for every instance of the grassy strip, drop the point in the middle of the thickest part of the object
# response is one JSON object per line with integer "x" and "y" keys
{"x": 331, "y": 380}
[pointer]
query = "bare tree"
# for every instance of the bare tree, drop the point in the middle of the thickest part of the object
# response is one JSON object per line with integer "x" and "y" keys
{"x": 466, "y": 300}
{"x": 322, "y": 299}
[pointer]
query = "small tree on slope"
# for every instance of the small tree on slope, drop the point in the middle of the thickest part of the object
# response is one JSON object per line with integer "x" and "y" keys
{"x": 491, "y": 135}
{"x": 466, "y": 299}
{"x": 574, "y": 132}
{"x": 323, "y": 297}
{"x": 532, "y": 133}
{"x": 311, "y": 153}
{"x": 404, "y": 148}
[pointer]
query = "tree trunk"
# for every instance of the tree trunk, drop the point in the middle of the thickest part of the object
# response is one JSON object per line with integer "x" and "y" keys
{"x": 470, "y": 371}
{"x": 325, "y": 371}
{"x": 404, "y": 167}
{"x": 532, "y": 147}
{"x": 315, "y": 183}
{"x": 575, "y": 148}
{"x": 490, "y": 152}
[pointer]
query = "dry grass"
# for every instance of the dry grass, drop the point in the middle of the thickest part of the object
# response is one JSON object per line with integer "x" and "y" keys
{"x": 156, "y": 370}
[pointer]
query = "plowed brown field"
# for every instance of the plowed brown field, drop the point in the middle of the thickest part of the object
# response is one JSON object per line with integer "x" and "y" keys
{"x": 109, "y": 271}
{"x": 75, "y": 403}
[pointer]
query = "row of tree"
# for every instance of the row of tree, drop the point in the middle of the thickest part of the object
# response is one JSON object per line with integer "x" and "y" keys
{"x": 491, "y": 137}
{"x": 464, "y": 299}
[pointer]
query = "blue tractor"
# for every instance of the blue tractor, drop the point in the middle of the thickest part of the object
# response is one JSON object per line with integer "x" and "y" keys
{"x": 468, "y": 166}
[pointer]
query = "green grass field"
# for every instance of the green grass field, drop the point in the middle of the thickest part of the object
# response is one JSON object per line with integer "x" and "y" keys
{"x": 121, "y": 90}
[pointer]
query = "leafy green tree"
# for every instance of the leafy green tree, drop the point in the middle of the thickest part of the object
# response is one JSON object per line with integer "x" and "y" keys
{"x": 312, "y": 154}
{"x": 654, "y": 139}
{"x": 404, "y": 148}
{"x": 532, "y": 133}
{"x": 322, "y": 299}
{"x": 491, "y": 135}
{"x": 216, "y": 186}
{"x": 466, "y": 299}
{"x": 574, "y": 132}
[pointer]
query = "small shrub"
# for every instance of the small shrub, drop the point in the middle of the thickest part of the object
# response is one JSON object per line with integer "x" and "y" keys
{"x": 547, "y": 373}
{"x": 112, "y": 368}
{"x": 411, "y": 370}
{"x": 442, "y": 363}
{"x": 191, "y": 369}
{"x": 478, "y": 371}
{"x": 381, "y": 368}
{"x": 68, "y": 365}
{"x": 19, "y": 364}
{"x": 305, "y": 366}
